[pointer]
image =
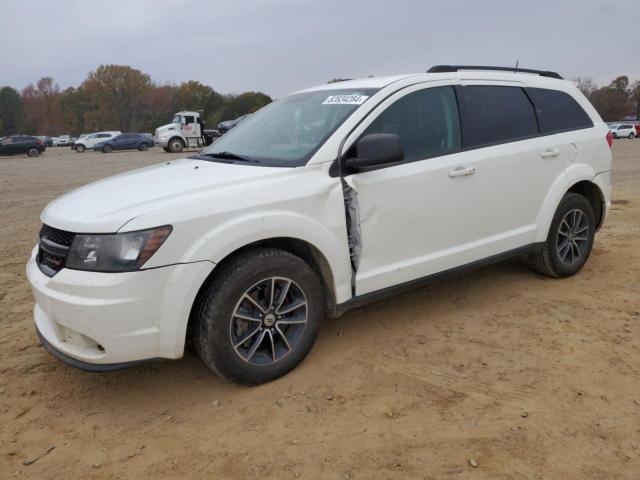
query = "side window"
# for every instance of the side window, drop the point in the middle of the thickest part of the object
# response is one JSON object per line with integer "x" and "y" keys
{"x": 189, "y": 119}
{"x": 495, "y": 114}
{"x": 426, "y": 122}
{"x": 558, "y": 111}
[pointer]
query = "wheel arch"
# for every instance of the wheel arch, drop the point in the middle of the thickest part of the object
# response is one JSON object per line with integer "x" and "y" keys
{"x": 303, "y": 249}
{"x": 581, "y": 180}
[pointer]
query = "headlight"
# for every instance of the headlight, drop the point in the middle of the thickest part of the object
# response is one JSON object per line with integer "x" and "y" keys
{"x": 119, "y": 252}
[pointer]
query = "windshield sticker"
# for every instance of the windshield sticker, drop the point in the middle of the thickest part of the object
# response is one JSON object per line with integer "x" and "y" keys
{"x": 345, "y": 100}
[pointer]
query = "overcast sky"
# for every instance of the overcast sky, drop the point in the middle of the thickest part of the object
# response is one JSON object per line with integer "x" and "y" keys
{"x": 278, "y": 46}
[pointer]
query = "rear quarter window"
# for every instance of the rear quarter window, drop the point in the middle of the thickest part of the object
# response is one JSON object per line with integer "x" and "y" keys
{"x": 558, "y": 111}
{"x": 495, "y": 114}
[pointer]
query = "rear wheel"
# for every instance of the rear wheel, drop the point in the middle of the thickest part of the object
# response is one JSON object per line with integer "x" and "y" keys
{"x": 631, "y": 135}
{"x": 176, "y": 145}
{"x": 80, "y": 148}
{"x": 33, "y": 152}
{"x": 107, "y": 149}
{"x": 259, "y": 317}
{"x": 143, "y": 147}
{"x": 569, "y": 241}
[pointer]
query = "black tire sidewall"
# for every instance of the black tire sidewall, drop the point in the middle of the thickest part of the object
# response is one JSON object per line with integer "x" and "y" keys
{"x": 214, "y": 342}
{"x": 33, "y": 152}
{"x": 570, "y": 202}
{"x": 80, "y": 148}
{"x": 107, "y": 149}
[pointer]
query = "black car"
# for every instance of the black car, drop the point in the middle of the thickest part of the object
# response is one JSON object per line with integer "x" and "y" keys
{"x": 126, "y": 141}
{"x": 21, "y": 144}
{"x": 224, "y": 127}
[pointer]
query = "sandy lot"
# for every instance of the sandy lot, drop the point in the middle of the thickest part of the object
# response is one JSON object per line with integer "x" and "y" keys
{"x": 522, "y": 376}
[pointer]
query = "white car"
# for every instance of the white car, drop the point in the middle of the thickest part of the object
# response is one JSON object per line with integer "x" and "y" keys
{"x": 92, "y": 140}
{"x": 63, "y": 141}
{"x": 322, "y": 201}
{"x": 623, "y": 130}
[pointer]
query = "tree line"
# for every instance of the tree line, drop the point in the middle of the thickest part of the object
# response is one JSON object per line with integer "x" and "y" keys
{"x": 119, "y": 97}
{"x": 114, "y": 97}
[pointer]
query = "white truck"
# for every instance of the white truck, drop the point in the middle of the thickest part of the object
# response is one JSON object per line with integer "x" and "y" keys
{"x": 186, "y": 130}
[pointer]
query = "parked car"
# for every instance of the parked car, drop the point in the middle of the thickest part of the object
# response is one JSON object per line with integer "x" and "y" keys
{"x": 224, "y": 127}
{"x": 637, "y": 127}
{"x": 126, "y": 141}
{"x": 21, "y": 144}
{"x": 623, "y": 130}
{"x": 91, "y": 140}
{"x": 46, "y": 141}
{"x": 63, "y": 141}
{"x": 324, "y": 200}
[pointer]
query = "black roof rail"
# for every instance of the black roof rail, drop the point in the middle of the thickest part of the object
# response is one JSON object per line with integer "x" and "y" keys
{"x": 455, "y": 68}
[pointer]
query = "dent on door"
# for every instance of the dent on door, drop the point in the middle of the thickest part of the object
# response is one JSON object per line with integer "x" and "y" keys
{"x": 354, "y": 236}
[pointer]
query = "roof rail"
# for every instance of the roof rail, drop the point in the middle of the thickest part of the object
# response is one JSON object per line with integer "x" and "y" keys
{"x": 455, "y": 68}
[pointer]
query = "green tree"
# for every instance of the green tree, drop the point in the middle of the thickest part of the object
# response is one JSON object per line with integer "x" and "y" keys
{"x": 248, "y": 102}
{"x": 10, "y": 110}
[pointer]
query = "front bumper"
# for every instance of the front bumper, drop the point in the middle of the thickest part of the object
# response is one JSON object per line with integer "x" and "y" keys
{"x": 102, "y": 321}
{"x": 161, "y": 142}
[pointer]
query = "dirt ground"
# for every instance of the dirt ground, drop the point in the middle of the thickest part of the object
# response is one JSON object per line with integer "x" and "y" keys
{"x": 497, "y": 374}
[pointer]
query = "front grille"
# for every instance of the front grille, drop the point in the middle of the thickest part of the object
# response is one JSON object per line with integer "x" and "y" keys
{"x": 53, "y": 247}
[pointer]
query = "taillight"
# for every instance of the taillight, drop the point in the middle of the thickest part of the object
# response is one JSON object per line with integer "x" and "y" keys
{"x": 610, "y": 139}
{"x": 39, "y": 142}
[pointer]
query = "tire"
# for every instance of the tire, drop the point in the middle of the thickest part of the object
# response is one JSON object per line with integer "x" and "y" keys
{"x": 107, "y": 149}
{"x": 143, "y": 147}
{"x": 166, "y": 149}
{"x": 80, "y": 148}
{"x": 33, "y": 152}
{"x": 631, "y": 135}
{"x": 556, "y": 259}
{"x": 176, "y": 145}
{"x": 219, "y": 331}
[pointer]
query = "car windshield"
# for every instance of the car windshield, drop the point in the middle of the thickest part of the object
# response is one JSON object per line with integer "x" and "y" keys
{"x": 290, "y": 130}
{"x": 176, "y": 119}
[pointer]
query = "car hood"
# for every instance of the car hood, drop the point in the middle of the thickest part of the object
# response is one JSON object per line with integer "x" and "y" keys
{"x": 165, "y": 128}
{"x": 106, "y": 205}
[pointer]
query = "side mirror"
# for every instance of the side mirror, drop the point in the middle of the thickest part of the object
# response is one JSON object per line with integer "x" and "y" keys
{"x": 376, "y": 149}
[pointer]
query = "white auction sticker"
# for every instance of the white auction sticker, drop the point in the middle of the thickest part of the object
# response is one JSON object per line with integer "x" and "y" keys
{"x": 345, "y": 100}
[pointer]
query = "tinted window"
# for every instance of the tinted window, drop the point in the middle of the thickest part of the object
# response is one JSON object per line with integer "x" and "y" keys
{"x": 426, "y": 121}
{"x": 558, "y": 111}
{"x": 493, "y": 114}
{"x": 189, "y": 119}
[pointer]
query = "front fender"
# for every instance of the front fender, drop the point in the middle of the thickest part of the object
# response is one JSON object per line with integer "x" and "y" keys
{"x": 228, "y": 237}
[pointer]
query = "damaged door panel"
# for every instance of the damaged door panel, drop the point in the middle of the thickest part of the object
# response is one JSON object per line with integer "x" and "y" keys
{"x": 354, "y": 237}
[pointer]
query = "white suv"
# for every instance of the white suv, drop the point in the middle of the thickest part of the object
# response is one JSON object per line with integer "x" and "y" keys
{"x": 92, "y": 140}
{"x": 623, "y": 130}
{"x": 323, "y": 200}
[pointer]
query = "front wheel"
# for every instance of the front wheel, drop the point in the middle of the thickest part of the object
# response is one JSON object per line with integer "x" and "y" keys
{"x": 107, "y": 149}
{"x": 143, "y": 147}
{"x": 259, "y": 317}
{"x": 631, "y": 135}
{"x": 80, "y": 148}
{"x": 166, "y": 149}
{"x": 176, "y": 145}
{"x": 33, "y": 152}
{"x": 569, "y": 241}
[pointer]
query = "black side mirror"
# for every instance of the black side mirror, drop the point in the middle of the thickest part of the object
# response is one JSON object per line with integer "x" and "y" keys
{"x": 376, "y": 149}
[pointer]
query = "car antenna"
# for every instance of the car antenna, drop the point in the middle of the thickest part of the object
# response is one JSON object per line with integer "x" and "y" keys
{"x": 515, "y": 70}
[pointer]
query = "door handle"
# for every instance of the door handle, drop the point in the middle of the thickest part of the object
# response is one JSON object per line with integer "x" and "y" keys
{"x": 550, "y": 152}
{"x": 462, "y": 171}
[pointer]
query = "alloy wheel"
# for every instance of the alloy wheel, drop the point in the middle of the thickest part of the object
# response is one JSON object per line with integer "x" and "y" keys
{"x": 572, "y": 240}
{"x": 268, "y": 321}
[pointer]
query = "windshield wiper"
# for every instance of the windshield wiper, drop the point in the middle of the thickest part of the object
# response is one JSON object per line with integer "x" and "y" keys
{"x": 230, "y": 156}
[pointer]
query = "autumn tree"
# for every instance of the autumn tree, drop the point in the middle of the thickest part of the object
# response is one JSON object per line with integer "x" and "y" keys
{"x": 248, "y": 102}
{"x": 613, "y": 102}
{"x": 116, "y": 94}
{"x": 586, "y": 85}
